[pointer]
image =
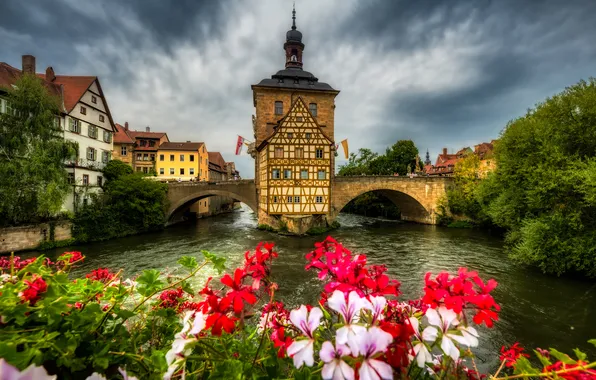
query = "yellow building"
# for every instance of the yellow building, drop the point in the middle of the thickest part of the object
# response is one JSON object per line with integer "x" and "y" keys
{"x": 186, "y": 161}
{"x": 294, "y": 143}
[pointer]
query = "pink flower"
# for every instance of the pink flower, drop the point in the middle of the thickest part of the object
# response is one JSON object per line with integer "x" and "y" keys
{"x": 350, "y": 310}
{"x": 374, "y": 341}
{"x": 334, "y": 367}
{"x": 302, "y": 350}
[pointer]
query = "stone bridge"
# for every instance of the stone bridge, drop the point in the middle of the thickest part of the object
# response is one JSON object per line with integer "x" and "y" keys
{"x": 181, "y": 195}
{"x": 417, "y": 198}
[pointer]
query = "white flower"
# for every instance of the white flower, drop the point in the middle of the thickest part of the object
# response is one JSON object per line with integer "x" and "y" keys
{"x": 351, "y": 333}
{"x": 374, "y": 341}
{"x": 9, "y": 372}
{"x": 335, "y": 368}
{"x": 421, "y": 351}
{"x": 378, "y": 304}
{"x": 198, "y": 324}
{"x": 302, "y": 351}
{"x": 443, "y": 320}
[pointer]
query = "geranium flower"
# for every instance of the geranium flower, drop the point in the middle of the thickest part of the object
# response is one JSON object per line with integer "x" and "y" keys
{"x": 238, "y": 292}
{"x": 378, "y": 304}
{"x": 218, "y": 318}
{"x": 100, "y": 274}
{"x": 9, "y": 372}
{"x": 334, "y": 367}
{"x": 421, "y": 351}
{"x": 443, "y": 320}
{"x": 34, "y": 289}
{"x": 511, "y": 354}
{"x": 72, "y": 256}
{"x": 349, "y": 334}
{"x": 373, "y": 342}
{"x": 301, "y": 351}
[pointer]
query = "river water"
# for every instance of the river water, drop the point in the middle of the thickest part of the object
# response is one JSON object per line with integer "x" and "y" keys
{"x": 537, "y": 310}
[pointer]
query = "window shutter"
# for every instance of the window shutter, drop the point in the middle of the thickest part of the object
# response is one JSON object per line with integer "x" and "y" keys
{"x": 70, "y": 124}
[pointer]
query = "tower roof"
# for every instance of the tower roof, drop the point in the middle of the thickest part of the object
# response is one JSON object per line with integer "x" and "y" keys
{"x": 294, "y": 34}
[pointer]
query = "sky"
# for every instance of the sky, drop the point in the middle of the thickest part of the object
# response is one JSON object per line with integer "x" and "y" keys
{"x": 441, "y": 73}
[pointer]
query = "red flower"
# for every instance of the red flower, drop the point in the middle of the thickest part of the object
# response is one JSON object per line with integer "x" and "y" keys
{"x": 72, "y": 256}
{"x": 35, "y": 287}
{"x": 238, "y": 292}
{"x": 17, "y": 263}
{"x": 171, "y": 298}
{"x": 218, "y": 319}
{"x": 101, "y": 274}
{"x": 511, "y": 354}
{"x": 576, "y": 372}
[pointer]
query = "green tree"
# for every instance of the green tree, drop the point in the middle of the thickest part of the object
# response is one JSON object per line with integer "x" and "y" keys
{"x": 116, "y": 169}
{"x": 543, "y": 188}
{"x": 462, "y": 197}
{"x": 33, "y": 182}
{"x": 400, "y": 155}
{"x": 358, "y": 164}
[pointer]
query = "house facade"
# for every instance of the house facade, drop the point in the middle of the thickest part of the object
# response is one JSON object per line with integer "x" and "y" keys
{"x": 184, "y": 161}
{"x": 145, "y": 149}
{"x": 294, "y": 141}
{"x": 123, "y": 145}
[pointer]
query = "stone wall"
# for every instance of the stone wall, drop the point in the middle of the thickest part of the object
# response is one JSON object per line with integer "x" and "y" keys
{"x": 14, "y": 239}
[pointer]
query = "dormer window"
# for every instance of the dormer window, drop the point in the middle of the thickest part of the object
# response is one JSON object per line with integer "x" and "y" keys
{"x": 102, "y": 118}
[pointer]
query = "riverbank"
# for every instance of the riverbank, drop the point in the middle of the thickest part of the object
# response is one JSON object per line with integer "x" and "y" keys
{"x": 36, "y": 236}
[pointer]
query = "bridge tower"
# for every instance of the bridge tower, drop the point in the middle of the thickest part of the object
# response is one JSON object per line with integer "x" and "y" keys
{"x": 294, "y": 143}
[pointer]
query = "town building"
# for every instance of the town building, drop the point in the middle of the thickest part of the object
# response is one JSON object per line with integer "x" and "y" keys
{"x": 145, "y": 149}
{"x": 219, "y": 172}
{"x": 444, "y": 165}
{"x": 85, "y": 118}
{"x": 231, "y": 171}
{"x": 485, "y": 152}
{"x": 294, "y": 142}
{"x": 123, "y": 145}
{"x": 184, "y": 161}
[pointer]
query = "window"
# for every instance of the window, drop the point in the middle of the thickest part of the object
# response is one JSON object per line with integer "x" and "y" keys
{"x": 181, "y": 171}
{"x": 93, "y": 99}
{"x": 275, "y": 174}
{"x": 145, "y": 169}
{"x": 307, "y": 135}
{"x": 83, "y": 110}
{"x": 279, "y": 108}
{"x": 143, "y": 143}
{"x": 171, "y": 157}
{"x": 139, "y": 168}
{"x": 90, "y": 154}
{"x": 92, "y": 131}
{"x": 85, "y": 202}
{"x": 312, "y": 107}
{"x": 161, "y": 171}
{"x": 289, "y": 199}
{"x": 105, "y": 157}
{"x": 161, "y": 157}
{"x": 123, "y": 151}
{"x": 9, "y": 109}
{"x": 85, "y": 179}
{"x": 151, "y": 143}
{"x": 319, "y": 153}
{"x": 290, "y": 135}
{"x": 71, "y": 178}
{"x": 275, "y": 199}
{"x": 322, "y": 174}
{"x": 74, "y": 124}
{"x": 152, "y": 157}
{"x": 99, "y": 181}
{"x": 279, "y": 153}
{"x": 107, "y": 136}
{"x": 296, "y": 199}
{"x": 139, "y": 156}
{"x": 145, "y": 156}
{"x": 172, "y": 171}
{"x": 181, "y": 158}
{"x": 319, "y": 199}
{"x": 287, "y": 174}
{"x": 191, "y": 171}
{"x": 192, "y": 157}
{"x": 299, "y": 153}
{"x": 102, "y": 118}
{"x": 299, "y": 119}
{"x": 304, "y": 174}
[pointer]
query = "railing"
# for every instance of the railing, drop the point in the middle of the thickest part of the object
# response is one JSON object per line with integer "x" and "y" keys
{"x": 89, "y": 164}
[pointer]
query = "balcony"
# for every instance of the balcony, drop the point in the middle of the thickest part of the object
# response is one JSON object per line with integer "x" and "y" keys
{"x": 88, "y": 164}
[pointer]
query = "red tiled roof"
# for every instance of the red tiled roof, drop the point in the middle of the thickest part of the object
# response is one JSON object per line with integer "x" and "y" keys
{"x": 216, "y": 168}
{"x": 74, "y": 88}
{"x": 146, "y": 135}
{"x": 121, "y": 136}
{"x": 446, "y": 160}
{"x": 217, "y": 159}
{"x": 186, "y": 146}
{"x": 9, "y": 75}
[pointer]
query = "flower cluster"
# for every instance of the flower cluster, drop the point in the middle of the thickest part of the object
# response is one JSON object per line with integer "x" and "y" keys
{"x": 101, "y": 274}
{"x": 35, "y": 287}
{"x": 17, "y": 263}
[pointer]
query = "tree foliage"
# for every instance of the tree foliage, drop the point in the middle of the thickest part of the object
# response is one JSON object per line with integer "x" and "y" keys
{"x": 116, "y": 169}
{"x": 462, "y": 197}
{"x": 129, "y": 204}
{"x": 33, "y": 182}
{"x": 397, "y": 159}
{"x": 543, "y": 190}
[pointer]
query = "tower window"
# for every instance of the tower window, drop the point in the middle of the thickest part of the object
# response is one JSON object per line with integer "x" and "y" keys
{"x": 275, "y": 174}
{"x": 322, "y": 174}
{"x": 287, "y": 174}
{"x": 299, "y": 153}
{"x": 304, "y": 174}
{"x": 312, "y": 107}
{"x": 279, "y": 108}
{"x": 296, "y": 199}
{"x": 319, "y": 153}
{"x": 319, "y": 199}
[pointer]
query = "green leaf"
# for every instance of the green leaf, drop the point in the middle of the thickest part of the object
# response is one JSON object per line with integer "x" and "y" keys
{"x": 218, "y": 262}
{"x": 543, "y": 359}
{"x": 580, "y": 355}
{"x": 592, "y": 342}
{"x": 149, "y": 282}
{"x": 523, "y": 365}
{"x": 188, "y": 262}
{"x": 158, "y": 360}
{"x": 561, "y": 356}
{"x": 125, "y": 314}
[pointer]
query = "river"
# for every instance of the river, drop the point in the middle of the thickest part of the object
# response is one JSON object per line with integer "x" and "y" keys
{"x": 537, "y": 310}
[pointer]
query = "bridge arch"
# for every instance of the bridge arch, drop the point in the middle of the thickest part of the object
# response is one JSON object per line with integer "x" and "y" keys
{"x": 183, "y": 195}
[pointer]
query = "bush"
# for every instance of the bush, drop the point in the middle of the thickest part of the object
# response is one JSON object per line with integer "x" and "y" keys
{"x": 160, "y": 326}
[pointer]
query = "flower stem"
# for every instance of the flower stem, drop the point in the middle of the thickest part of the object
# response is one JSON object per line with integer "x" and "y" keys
{"x": 580, "y": 368}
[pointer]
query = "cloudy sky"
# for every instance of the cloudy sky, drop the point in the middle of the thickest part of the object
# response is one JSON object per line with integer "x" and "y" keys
{"x": 442, "y": 73}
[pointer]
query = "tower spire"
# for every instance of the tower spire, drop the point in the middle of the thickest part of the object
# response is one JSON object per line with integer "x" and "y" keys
{"x": 294, "y": 17}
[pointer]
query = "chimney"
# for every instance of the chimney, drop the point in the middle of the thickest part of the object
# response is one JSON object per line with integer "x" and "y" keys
{"x": 50, "y": 76}
{"x": 444, "y": 151}
{"x": 147, "y": 129}
{"x": 28, "y": 64}
{"x": 126, "y": 125}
